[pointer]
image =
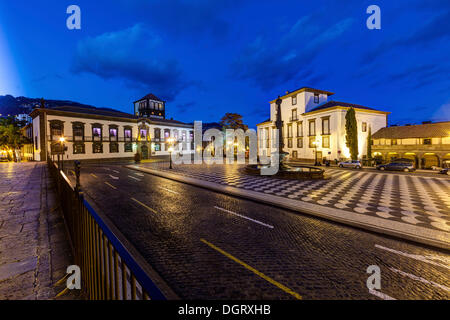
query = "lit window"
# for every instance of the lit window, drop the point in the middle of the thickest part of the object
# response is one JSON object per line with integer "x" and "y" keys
{"x": 325, "y": 142}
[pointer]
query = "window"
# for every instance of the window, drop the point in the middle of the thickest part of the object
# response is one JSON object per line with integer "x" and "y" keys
{"x": 175, "y": 134}
{"x": 128, "y": 147}
{"x": 426, "y": 141}
{"x": 394, "y": 142}
{"x": 294, "y": 115}
{"x": 289, "y": 142}
{"x": 325, "y": 126}
{"x": 97, "y": 147}
{"x": 300, "y": 129}
{"x": 312, "y": 127}
{"x": 113, "y": 134}
{"x": 143, "y": 133}
{"x": 191, "y": 135}
{"x": 166, "y": 133}
{"x": 113, "y": 147}
{"x": 183, "y": 135}
{"x": 294, "y": 100}
{"x": 127, "y": 134}
{"x": 56, "y": 130}
{"x": 97, "y": 133}
{"x": 364, "y": 127}
{"x": 78, "y": 148}
{"x": 289, "y": 130}
{"x": 316, "y": 98}
{"x": 157, "y": 133}
{"x": 157, "y": 147}
{"x": 299, "y": 142}
{"x": 78, "y": 132}
{"x": 294, "y": 154}
{"x": 325, "y": 142}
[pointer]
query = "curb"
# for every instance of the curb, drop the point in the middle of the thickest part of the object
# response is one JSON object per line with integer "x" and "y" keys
{"x": 434, "y": 238}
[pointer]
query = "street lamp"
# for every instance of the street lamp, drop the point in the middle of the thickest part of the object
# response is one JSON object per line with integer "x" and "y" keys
{"x": 170, "y": 141}
{"x": 61, "y": 141}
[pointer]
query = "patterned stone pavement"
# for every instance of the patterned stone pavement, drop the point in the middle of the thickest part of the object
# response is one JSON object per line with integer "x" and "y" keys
{"x": 413, "y": 199}
{"x": 34, "y": 250}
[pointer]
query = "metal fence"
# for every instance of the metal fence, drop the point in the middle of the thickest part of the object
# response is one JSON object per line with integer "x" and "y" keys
{"x": 109, "y": 271}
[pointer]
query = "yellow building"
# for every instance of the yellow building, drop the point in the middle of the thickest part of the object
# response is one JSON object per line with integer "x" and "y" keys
{"x": 426, "y": 145}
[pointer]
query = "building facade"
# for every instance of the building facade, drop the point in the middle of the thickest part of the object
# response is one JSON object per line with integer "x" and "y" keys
{"x": 82, "y": 133}
{"x": 426, "y": 145}
{"x": 315, "y": 127}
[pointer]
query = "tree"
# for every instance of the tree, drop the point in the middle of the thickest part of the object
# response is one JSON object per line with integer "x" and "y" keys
{"x": 11, "y": 136}
{"x": 232, "y": 121}
{"x": 369, "y": 146}
{"x": 351, "y": 133}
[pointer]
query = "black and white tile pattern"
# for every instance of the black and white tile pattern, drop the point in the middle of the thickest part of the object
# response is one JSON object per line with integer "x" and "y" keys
{"x": 418, "y": 200}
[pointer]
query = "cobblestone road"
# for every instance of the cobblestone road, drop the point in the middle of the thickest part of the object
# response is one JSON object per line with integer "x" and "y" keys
{"x": 208, "y": 245}
{"x": 412, "y": 199}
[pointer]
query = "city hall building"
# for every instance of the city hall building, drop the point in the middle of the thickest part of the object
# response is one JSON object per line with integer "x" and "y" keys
{"x": 314, "y": 127}
{"x": 84, "y": 133}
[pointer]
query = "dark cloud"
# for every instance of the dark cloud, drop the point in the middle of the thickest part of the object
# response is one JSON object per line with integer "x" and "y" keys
{"x": 269, "y": 61}
{"x": 437, "y": 28}
{"x": 185, "y": 107}
{"x": 136, "y": 56}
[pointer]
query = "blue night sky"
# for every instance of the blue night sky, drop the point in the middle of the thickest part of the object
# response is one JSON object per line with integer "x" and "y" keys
{"x": 208, "y": 57}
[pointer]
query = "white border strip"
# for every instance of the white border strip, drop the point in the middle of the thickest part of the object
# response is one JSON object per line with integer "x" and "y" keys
{"x": 240, "y": 215}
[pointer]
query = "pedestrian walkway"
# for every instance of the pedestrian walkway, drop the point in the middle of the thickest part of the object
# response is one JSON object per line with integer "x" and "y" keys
{"x": 407, "y": 199}
{"x": 34, "y": 249}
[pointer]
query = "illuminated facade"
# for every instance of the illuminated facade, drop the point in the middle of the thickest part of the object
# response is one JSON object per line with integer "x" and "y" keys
{"x": 314, "y": 126}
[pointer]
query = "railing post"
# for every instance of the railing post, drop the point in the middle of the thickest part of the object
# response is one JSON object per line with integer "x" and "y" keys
{"x": 77, "y": 166}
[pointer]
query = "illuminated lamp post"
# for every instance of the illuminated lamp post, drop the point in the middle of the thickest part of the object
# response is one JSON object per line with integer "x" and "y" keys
{"x": 170, "y": 141}
{"x": 61, "y": 141}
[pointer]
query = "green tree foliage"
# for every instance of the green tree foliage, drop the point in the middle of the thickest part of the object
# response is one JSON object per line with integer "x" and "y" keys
{"x": 11, "y": 136}
{"x": 233, "y": 121}
{"x": 369, "y": 145}
{"x": 351, "y": 133}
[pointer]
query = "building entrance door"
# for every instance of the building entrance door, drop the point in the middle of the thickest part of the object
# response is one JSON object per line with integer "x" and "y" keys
{"x": 319, "y": 156}
{"x": 144, "y": 150}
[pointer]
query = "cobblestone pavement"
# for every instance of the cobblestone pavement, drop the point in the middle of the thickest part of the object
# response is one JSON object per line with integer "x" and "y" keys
{"x": 199, "y": 240}
{"x": 34, "y": 250}
{"x": 412, "y": 199}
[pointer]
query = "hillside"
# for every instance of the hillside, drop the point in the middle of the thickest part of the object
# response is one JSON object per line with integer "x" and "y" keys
{"x": 16, "y": 105}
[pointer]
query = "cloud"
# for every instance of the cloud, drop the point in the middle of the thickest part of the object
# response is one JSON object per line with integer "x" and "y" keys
{"x": 184, "y": 107}
{"x": 269, "y": 61}
{"x": 443, "y": 113}
{"x": 189, "y": 18}
{"x": 437, "y": 28}
{"x": 137, "y": 56}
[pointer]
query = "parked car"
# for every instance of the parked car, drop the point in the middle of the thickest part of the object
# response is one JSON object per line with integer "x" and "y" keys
{"x": 445, "y": 171}
{"x": 397, "y": 166}
{"x": 356, "y": 164}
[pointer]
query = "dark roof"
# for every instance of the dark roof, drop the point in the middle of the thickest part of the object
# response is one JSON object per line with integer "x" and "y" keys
{"x": 97, "y": 111}
{"x": 150, "y": 96}
{"x": 107, "y": 112}
{"x": 429, "y": 130}
{"x": 331, "y": 104}
{"x": 268, "y": 120}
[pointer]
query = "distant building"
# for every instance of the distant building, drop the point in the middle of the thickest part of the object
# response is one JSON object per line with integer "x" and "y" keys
{"x": 426, "y": 145}
{"x": 313, "y": 124}
{"x": 24, "y": 117}
{"x": 101, "y": 133}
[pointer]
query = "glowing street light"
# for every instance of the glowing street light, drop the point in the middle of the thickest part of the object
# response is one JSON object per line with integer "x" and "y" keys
{"x": 170, "y": 141}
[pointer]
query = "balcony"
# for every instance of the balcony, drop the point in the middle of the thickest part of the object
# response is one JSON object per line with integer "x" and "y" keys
{"x": 293, "y": 118}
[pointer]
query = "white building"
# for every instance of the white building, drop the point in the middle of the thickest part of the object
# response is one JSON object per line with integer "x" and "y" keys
{"x": 101, "y": 133}
{"x": 313, "y": 124}
{"x": 23, "y": 117}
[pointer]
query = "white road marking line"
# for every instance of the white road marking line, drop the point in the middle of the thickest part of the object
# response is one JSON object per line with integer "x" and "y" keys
{"x": 108, "y": 184}
{"x": 413, "y": 256}
{"x": 134, "y": 178}
{"x": 114, "y": 177}
{"x": 381, "y": 295}
{"x": 139, "y": 174}
{"x": 239, "y": 215}
{"x": 116, "y": 171}
{"x": 169, "y": 190}
{"x": 417, "y": 278}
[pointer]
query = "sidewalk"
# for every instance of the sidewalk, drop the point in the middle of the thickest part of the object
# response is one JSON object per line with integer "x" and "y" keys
{"x": 409, "y": 207}
{"x": 34, "y": 249}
